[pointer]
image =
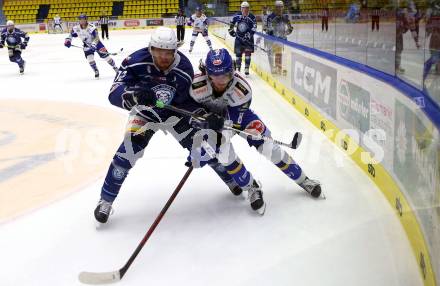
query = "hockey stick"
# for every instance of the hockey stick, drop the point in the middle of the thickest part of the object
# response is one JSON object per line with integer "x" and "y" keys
{"x": 293, "y": 144}
{"x": 108, "y": 53}
{"x": 115, "y": 276}
{"x": 246, "y": 41}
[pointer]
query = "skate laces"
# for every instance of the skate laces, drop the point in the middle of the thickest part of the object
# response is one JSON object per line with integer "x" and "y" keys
{"x": 255, "y": 193}
{"x": 309, "y": 184}
{"x": 105, "y": 207}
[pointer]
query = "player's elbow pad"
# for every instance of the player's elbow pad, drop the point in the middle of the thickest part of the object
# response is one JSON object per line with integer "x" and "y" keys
{"x": 115, "y": 96}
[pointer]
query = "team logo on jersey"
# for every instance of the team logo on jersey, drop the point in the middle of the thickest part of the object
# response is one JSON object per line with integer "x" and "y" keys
{"x": 242, "y": 88}
{"x": 126, "y": 60}
{"x": 118, "y": 173}
{"x": 199, "y": 84}
{"x": 256, "y": 125}
{"x": 11, "y": 41}
{"x": 164, "y": 93}
{"x": 243, "y": 27}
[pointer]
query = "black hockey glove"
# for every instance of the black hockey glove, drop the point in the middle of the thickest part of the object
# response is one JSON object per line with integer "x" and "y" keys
{"x": 202, "y": 67}
{"x": 1, "y": 45}
{"x": 210, "y": 121}
{"x": 137, "y": 95}
{"x": 232, "y": 33}
{"x": 23, "y": 46}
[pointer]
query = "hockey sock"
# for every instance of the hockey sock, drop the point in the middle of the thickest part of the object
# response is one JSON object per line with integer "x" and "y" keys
{"x": 208, "y": 41}
{"x": 239, "y": 173}
{"x": 111, "y": 61}
{"x": 238, "y": 62}
{"x": 223, "y": 174}
{"x": 278, "y": 60}
{"x": 247, "y": 61}
{"x": 119, "y": 168}
{"x": 291, "y": 169}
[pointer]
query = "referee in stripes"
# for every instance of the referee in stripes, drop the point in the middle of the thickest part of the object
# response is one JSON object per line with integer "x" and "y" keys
{"x": 180, "y": 24}
{"x": 103, "y": 21}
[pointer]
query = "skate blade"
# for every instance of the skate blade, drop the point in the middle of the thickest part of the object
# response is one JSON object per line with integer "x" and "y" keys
{"x": 99, "y": 225}
{"x": 244, "y": 195}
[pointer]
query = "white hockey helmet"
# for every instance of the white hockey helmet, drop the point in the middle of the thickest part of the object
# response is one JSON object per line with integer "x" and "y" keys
{"x": 163, "y": 38}
{"x": 244, "y": 4}
{"x": 10, "y": 23}
{"x": 279, "y": 3}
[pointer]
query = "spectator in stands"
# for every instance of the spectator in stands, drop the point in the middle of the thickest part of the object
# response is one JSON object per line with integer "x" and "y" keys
{"x": 103, "y": 21}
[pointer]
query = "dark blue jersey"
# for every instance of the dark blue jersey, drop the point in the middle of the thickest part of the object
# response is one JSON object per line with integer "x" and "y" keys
{"x": 13, "y": 38}
{"x": 279, "y": 25}
{"x": 171, "y": 87}
{"x": 245, "y": 24}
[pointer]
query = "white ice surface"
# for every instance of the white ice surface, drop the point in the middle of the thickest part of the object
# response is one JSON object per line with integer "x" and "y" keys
{"x": 208, "y": 237}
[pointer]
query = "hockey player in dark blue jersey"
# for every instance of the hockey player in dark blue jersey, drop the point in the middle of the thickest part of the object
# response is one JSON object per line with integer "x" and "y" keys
{"x": 12, "y": 37}
{"x": 278, "y": 25}
{"x": 89, "y": 35}
{"x": 246, "y": 24}
{"x": 158, "y": 72}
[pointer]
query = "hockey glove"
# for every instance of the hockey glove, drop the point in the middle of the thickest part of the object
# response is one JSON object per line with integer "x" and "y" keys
{"x": 202, "y": 67}
{"x": 68, "y": 43}
{"x": 211, "y": 121}
{"x": 137, "y": 95}
{"x": 23, "y": 46}
{"x": 92, "y": 48}
{"x": 289, "y": 30}
{"x": 1, "y": 45}
{"x": 232, "y": 33}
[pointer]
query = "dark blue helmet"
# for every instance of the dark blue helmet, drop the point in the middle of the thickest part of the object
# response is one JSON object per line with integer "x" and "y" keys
{"x": 218, "y": 62}
{"x": 82, "y": 16}
{"x": 198, "y": 8}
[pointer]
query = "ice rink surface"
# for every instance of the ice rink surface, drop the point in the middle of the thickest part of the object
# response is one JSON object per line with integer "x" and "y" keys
{"x": 208, "y": 237}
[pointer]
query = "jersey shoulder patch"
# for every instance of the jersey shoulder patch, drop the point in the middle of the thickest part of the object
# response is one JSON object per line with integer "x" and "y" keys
{"x": 199, "y": 81}
{"x": 242, "y": 88}
{"x": 200, "y": 87}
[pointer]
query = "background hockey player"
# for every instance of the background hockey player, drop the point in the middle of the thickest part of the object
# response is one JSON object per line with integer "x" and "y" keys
{"x": 278, "y": 25}
{"x": 265, "y": 14}
{"x": 12, "y": 37}
{"x": 433, "y": 30}
{"x": 246, "y": 25}
{"x": 224, "y": 92}
{"x": 158, "y": 72}
{"x": 57, "y": 24}
{"x": 199, "y": 22}
{"x": 88, "y": 34}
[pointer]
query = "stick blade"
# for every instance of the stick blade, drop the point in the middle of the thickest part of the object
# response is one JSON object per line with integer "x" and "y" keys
{"x": 296, "y": 141}
{"x": 95, "y": 278}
